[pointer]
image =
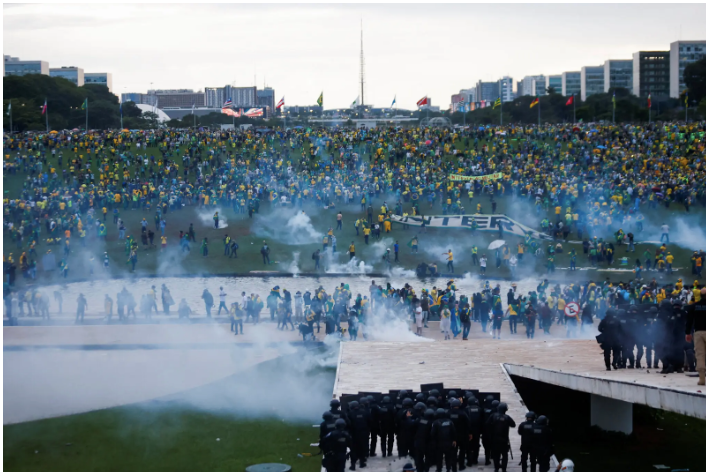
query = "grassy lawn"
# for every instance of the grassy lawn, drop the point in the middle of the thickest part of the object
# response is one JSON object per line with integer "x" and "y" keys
{"x": 270, "y": 225}
{"x": 167, "y": 436}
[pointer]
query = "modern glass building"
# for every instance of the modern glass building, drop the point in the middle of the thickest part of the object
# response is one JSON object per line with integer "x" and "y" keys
{"x": 592, "y": 81}
{"x": 14, "y": 66}
{"x": 617, "y": 73}
{"x": 571, "y": 83}
{"x": 99, "y": 78}
{"x": 72, "y": 74}
{"x": 556, "y": 83}
{"x": 681, "y": 54}
{"x": 650, "y": 74}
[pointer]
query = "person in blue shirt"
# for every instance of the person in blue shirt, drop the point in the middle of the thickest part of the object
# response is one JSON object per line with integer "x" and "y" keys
{"x": 397, "y": 251}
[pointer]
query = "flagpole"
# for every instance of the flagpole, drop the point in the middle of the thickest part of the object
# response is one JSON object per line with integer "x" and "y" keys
{"x": 686, "y": 108}
{"x": 86, "y": 115}
{"x": 501, "y": 111}
{"x": 649, "y": 110}
{"x": 573, "y": 101}
{"x": 539, "y": 113}
{"x": 46, "y": 113}
{"x": 10, "y": 116}
{"x": 121, "y": 116}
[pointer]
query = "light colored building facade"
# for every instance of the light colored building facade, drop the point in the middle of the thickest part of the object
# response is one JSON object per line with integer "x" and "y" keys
{"x": 617, "y": 74}
{"x": 554, "y": 81}
{"x": 571, "y": 83}
{"x": 242, "y": 96}
{"x": 487, "y": 91}
{"x": 592, "y": 81}
{"x": 681, "y": 54}
{"x": 650, "y": 74}
{"x": 505, "y": 86}
{"x": 214, "y": 97}
{"x": 99, "y": 78}
{"x": 15, "y": 66}
{"x": 72, "y": 74}
{"x": 180, "y": 98}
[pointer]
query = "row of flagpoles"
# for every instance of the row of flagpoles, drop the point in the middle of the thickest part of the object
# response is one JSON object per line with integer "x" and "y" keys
{"x": 227, "y": 108}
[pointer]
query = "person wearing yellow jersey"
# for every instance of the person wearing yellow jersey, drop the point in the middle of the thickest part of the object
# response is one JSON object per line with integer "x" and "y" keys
{"x": 366, "y": 234}
{"x": 351, "y": 250}
{"x": 449, "y": 261}
{"x": 511, "y": 314}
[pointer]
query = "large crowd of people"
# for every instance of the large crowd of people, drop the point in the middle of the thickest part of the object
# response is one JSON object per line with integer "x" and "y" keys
{"x": 591, "y": 181}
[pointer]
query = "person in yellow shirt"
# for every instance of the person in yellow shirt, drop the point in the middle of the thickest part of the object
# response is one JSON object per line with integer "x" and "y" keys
{"x": 164, "y": 243}
{"x": 366, "y": 234}
{"x": 669, "y": 260}
{"x": 351, "y": 250}
{"x": 449, "y": 261}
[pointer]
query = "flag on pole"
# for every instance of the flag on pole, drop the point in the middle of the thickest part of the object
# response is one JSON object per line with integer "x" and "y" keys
{"x": 9, "y": 108}
{"x": 497, "y": 103}
{"x": 228, "y": 103}
{"x": 355, "y": 103}
{"x": 649, "y": 100}
{"x": 394, "y": 100}
{"x": 253, "y": 112}
{"x": 84, "y": 105}
{"x": 534, "y": 102}
{"x": 44, "y": 107}
{"x": 423, "y": 101}
{"x": 570, "y": 101}
{"x": 686, "y": 100}
{"x": 320, "y": 100}
{"x": 280, "y": 104}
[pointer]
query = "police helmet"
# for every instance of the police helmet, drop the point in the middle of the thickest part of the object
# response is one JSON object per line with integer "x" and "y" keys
{"x": 386, "y": 399}
{"x": 434, "y": 392}
{"x": 340, "y": 424}
{"x": 440, "y": 413}
{"x": 408, "y": 467}
{"x": 567, "y": 465}
{"x": 432, "y": 401}
{"x": 402, "y": 394}
{"x": 502, "y": 407}
{"x": 370, "y": 399}
{"x": 327, "y": 416}
{"x": 354, "y": 405}
{"x": 420, "y": 406}
{"x": 335, "y": 403}
{"x": 428, "y": 413}
{"x": 653, "y": 309}
{"x": 407, "y": 402}
{"x": 455, "y": 403}
{"x": 364, "y": 401}
{"x": 452, "y": 394}
{"x": 542, "y": 420}
{"x": 530, "y": 415}
{"x": 494, "y": 404}
{"x": 420, "y": 397}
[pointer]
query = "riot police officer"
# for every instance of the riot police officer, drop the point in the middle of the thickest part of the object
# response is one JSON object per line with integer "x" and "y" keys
{"x": 499, "y": 428}
{"x": 542, "y": 443}
{"x": 386, "y": 424}
{"x": 422, "y": 442}
{"x": 334, "y": 447}
{"x": 360, "y": 432}
{"x": 327, "y": 425}
{"x": 443, "y": 434}
{"x": 374, "y": 409}
{"x": 405, "y": 423}
{"x": 609, "y": 328}
{"x": 475, "y": 420}
{"x": 526, "y": 432}
{"x": 462, "y": 425}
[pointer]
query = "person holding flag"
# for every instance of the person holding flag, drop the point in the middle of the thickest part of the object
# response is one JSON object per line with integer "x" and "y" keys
{"x": 84, "y": 106}
{"x": 571, "y": 101}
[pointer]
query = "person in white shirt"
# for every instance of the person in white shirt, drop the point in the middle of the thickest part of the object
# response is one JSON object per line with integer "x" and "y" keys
{"x": 665, "y": 233}
{"x": 419, "y": 318}
{"x": 222, "y": 305}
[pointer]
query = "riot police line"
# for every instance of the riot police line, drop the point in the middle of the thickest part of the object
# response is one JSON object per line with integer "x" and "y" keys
{"x": 656, "y": 332}
{"x": 435, "y": 427}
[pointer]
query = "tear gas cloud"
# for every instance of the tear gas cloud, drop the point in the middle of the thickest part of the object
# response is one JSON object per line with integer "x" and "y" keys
{"x": 206, "y": 217}
{"x": 287, "y": 227}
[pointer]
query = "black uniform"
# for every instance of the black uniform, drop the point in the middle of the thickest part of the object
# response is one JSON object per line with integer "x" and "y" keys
{"x": 629, "y": 332}
{"x": 526, "y": 432}
{"x": 443, "y": 433}
{"x": 334, "y": 447}
{"x": 543, "y": 446}
{"x": 374, "y": 427}
{"x": 500, "y": 425}
{"x": 386, "y": 422}
{"x": 360, "y": 433}
{"x": 423, "y": 459}
{"x": 405, "y": 431}
{"x": 486, "y": 438}
{"x": 609, "y": 327}
{"x": 462, "y": 424}
{"x": 475, "y": 422}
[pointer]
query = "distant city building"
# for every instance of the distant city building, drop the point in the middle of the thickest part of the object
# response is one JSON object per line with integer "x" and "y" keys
{"x": 179, "y": 98}
{"x": 571, "y": 83}
{"x": 617, "y": 74}
{"x": 539, "y": 86}
{"x": 72, "y": 74}
{"x": 555, "y": 82}
{"x": 520, "y": 88}
{"x": 14, "y": 66}
{"x": 487, "y": 91}
{"x": 505, "y": 89}
{"x": 214, "y": 97}
{"x": 242, "y": 96}
{"x": 131, "y": 97}
{"x": 469, "y": 94}
{"x": 681, "y": 54}
{"x": 99, "y": 78}
{"x": 592, "y": 78}
{"x": 266, "y": 100}
{"x": 650, "y": 74}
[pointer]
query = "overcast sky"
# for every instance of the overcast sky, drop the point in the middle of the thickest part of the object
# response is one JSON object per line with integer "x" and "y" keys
{"x": 410, "y": 50}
